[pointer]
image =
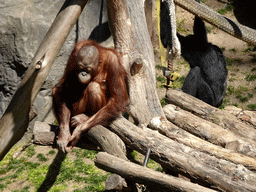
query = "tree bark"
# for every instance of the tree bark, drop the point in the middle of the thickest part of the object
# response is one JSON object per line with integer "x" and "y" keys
{"x": 173, "y": 132}
{"x": 210, "y": 113}
{"x": 16, "y": 118}
{"x": 245, "y": 116}
{"x": 209, "y": 131}
{"x": 132, "y": 40}
{"x": 198, "y": 166}
{"x": 45, "y": 134}
{"x": 145, "y": 175}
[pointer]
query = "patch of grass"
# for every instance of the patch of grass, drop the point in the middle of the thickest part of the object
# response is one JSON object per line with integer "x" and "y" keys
{"x": 251, "y": 107}
{"x": 244, "y": 98}
{"x": 230, "y": 90}
{"x": 160, "y": 79}
{"x": 209, "y": 30}
{"x": 235, "y": 104}
{"x": 233, "y": 50}
{"x": 55, "y": 122}
{"x": 52, "y": 152}
{"x": 253, "y": 69}
{"x": 248, "y": 49}
{"x": 241, "y": 89}
{"x": 59, "y": 188}
{"x": 253, "y": 59}
{"x": 155, "y": 51}
{"x": 236, "y": 70}
{"x": 80, "y": 153}
{"x": 36, "y": 176}
{"x": 229, "y": 60}
{"x": 232, "y": 79}
{"x": 30, "y": 151}
{"x": 134, "y": 154}
{"x": 41, "y": 157}
{"x": 179, "y": 83}
{"x": 159, "y": 67}
{"x": 224, "y": 103}
{"x": 227, "y": 8}
{"x": 180, "y": 26}
{"x": 162, "y": 101}
{"x": 250, "y": 77}
{"x": 77, "y": 171}
{"x": 222, "y": 48}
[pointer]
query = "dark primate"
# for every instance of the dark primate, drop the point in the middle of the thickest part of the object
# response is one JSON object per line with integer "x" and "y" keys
{"x": 92, "y": 91}
{"x": 207, "y": 79}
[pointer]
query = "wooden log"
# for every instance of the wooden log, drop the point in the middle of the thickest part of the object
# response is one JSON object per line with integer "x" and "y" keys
{"x": 128, "y": 25}
{"x": 248, "y": 117}
{"x": 16, "y": 117}
{"x": 45, "y": 134}
{"x": 145, "y": 175}
{"x": 209, "y": 131}
{"x": 199, "y": 166}
{"x": 186, "y": 138}
{"x": 210, "y": 113}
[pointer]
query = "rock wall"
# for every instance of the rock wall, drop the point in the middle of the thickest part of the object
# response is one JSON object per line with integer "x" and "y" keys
{"x": 23, "y": 25}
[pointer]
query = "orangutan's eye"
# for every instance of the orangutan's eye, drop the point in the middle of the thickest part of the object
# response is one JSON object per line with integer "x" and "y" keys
{"x": 88, "y": 70}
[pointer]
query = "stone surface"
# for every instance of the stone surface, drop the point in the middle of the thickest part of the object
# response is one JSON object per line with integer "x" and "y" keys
{"x": 23, "y": 25}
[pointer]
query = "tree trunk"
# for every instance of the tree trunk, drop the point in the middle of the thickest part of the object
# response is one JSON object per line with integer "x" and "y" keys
{"x": 210, "y": 113}
{"x": 16, "y": 117}
{"x": 209, "y": 131}
{"x": 45, "y": 134}
{"x": 145, "y": 175}
{"x": 200, "y": 167}
{"x": 132, "y": 40}
{"x": 182, "y": 136}
{"x": 248, "y": 117}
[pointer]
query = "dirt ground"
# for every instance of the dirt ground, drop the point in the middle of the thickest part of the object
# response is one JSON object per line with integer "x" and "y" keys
{"x": 239, "y": 55}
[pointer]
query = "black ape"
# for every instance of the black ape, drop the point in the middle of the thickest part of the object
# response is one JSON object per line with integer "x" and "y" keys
{"x": 207, "y": 79}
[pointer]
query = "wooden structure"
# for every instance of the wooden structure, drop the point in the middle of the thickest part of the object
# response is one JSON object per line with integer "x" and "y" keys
{"x": 209, "y": 146}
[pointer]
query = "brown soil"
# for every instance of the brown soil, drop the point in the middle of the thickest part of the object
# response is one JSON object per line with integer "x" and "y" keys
{"x": 240, "y": 62}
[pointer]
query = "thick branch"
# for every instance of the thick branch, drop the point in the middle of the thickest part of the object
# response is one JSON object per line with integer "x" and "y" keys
{"x": 132, "y": 40}
{"x": 209, "y": 131}
{"x": 210, "y": 113}
{"x": 248, "y": 117}
{"x": 45, "y": 134}
{"x": 186, "y": 138}
{"x": 15, "y": 120}
{"x": 145, "y": 175}
{"x": 185, "y": 160}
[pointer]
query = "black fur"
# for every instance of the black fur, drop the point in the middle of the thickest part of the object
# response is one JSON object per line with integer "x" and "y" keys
{"x": 207, "y": 79}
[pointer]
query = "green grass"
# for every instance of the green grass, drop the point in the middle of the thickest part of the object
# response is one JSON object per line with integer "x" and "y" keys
{"x": 230, "y": 90}
{"x": 250, "y": 77}
{"x": 162, "y": 101}
{"x": 251, "y": 107}
{"x": 227, "y": 8}
{"x": 84, "y": 176}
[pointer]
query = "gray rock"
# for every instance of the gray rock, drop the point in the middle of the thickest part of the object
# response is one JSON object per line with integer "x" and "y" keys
{"x": 23, "y": 25}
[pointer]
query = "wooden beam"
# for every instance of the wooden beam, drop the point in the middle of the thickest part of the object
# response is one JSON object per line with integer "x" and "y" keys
{"x": 16, "y": 117}
{"x": 145, "y": 175}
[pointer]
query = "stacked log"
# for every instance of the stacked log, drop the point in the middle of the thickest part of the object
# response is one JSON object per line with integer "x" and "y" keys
{"x": 196, "y": 140}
